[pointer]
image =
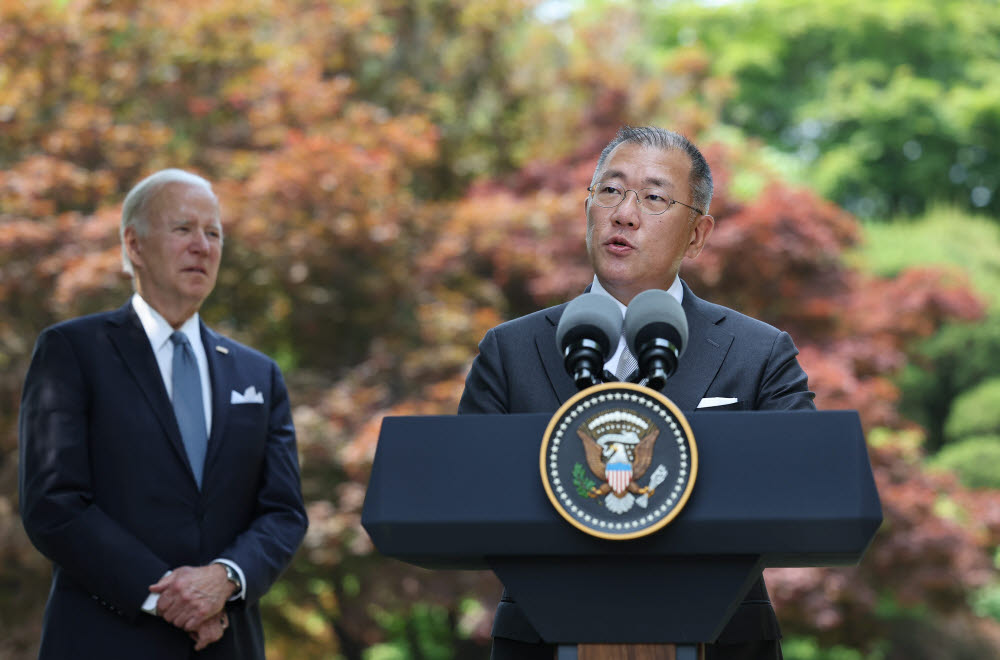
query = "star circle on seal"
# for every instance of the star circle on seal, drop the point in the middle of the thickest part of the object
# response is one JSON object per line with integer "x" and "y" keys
{"x": 618, "y": 461}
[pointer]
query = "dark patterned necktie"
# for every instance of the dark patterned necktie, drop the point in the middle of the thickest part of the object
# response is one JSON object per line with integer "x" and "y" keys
{"x": 627, "y": 365}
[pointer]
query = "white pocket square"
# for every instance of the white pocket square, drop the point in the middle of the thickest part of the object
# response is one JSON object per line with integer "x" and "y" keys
{"x": 713, "y": 401}
{"x": 251, "y": 395}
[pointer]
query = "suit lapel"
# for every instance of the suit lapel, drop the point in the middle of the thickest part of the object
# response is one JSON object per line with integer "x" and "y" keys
{"x": 130, "y": 340}
{"x": 220, "y": 371}
{"x": 707, "y": 348}
{"x": 552, "y": 360}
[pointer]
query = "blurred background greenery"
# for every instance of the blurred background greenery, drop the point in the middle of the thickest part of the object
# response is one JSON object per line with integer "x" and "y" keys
{"x": 397, "y": 176}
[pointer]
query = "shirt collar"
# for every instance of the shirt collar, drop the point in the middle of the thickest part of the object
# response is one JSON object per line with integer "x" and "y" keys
{"x": 676, "y": 290}
{"x": 158, "y": 329}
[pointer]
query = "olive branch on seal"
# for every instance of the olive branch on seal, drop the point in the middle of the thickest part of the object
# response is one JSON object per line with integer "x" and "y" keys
{"x": 581, "y": 482}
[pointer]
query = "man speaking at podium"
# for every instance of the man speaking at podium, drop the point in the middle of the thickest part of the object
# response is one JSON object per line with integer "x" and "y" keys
{"x": 647, "y": 210}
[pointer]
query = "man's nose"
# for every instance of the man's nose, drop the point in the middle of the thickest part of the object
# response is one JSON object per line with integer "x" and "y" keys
{"x": 200, "y": 240}
{"x": 627, "y": 213}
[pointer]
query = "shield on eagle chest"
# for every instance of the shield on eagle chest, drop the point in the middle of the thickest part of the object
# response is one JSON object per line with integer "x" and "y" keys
{"x": 619, "y": 476}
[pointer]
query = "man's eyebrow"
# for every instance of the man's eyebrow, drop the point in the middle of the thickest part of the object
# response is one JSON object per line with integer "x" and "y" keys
{"x": 648, "y": 181}
{"x": 660, "y": 183}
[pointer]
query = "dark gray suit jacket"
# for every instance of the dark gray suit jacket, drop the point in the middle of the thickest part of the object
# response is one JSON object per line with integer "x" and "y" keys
{"x": 520, "y": 370}
{"x": 107, "y": 493}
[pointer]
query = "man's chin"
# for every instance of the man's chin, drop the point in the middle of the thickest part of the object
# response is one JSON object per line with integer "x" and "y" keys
{"x": 196, "y": 293}
{"x": 616, "y": 275}
{"x": 197, "y": 281}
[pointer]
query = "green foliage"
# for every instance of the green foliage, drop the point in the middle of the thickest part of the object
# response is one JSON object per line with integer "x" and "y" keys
{"x": 891, "y": 606}
{"x": 986, "y": 601}
{"x": 943, "y": 235}
{"x": 423, "y": 632}
{"x": 893, "y": 104}
{"x": 976, "y": 460}
{"x": 808, "y": 648}
{"x": 956, "y": 359}
{"x": 386, "y": 651}
{"x": 942, "y": 368}
{"x": 581, "y": 481}
{"x": 975, "y": 412}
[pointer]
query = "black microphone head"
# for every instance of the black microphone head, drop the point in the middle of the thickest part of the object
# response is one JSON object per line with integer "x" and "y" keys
{"x": 655, "y": 314}
{"x": 590, "y": 316}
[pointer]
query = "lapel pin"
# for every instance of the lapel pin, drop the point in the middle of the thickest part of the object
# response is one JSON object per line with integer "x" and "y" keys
{"x": 222, "y": 349}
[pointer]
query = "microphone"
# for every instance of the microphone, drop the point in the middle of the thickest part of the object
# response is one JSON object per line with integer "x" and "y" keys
{"x": 587, "y": 335}
{"x": 656, "y": 331}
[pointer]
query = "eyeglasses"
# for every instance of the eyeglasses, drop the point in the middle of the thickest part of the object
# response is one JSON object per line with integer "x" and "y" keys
{"x": 652, "y": 201}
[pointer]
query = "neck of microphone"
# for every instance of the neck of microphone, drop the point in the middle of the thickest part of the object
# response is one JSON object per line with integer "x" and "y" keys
{"x": 587, "y": 334}
{"x": 656, "y": 332}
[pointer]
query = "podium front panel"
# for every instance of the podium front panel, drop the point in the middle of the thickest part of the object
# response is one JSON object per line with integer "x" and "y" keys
{"x": 792, "y": 487}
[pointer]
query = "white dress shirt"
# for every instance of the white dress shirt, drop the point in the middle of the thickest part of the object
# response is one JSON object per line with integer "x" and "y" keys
{"x": 158, "y": 330}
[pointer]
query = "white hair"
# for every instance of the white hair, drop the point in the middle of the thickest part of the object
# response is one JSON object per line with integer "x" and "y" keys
{"x": 135, "y": 210}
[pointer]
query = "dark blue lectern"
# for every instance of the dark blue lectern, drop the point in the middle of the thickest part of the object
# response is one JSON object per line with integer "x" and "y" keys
{"x": 773, "y": 489}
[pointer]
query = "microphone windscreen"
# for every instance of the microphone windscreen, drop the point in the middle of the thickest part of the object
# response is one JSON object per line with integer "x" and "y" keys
{"x": 655, "y": 313}
{"x": 590, "y": 316}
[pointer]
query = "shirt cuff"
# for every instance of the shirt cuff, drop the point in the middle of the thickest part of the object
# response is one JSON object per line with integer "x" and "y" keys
{"x": 242, "y": 593}
{"x": 149, "y": 605}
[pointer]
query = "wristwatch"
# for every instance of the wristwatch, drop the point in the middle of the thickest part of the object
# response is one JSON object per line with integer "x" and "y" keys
{"x": 233, "y": 577}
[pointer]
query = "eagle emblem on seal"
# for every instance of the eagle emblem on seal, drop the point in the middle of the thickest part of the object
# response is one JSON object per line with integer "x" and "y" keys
{"x": 619, "y": 459}
{"x": 605, "y": 458}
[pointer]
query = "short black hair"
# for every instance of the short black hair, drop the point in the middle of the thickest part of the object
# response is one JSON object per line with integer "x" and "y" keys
{"x": 660, "y": 138}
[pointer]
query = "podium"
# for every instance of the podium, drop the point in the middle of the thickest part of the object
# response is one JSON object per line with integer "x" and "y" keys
{"x": 773, "y": 489}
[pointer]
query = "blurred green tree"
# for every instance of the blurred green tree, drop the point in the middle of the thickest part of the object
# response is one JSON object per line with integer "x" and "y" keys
{"x": 892, "y": 105}
{"x": 943, "y": 367}
{"x": 975, "y": 459}
{"x": 975, "y": 412}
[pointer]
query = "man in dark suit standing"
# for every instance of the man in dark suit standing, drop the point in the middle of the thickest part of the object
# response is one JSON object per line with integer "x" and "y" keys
{"x": 158, "y": 466}
{"x": 646, "y": 212}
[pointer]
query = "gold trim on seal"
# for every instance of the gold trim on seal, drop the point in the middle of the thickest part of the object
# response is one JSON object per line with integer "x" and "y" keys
{"x": 561, "y": 414}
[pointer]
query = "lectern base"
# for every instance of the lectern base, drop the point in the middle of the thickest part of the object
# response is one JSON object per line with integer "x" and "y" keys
{"x": 630, "y": 652}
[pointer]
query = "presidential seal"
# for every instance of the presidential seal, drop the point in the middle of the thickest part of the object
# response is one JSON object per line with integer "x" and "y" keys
{"x": 618, "y": 461}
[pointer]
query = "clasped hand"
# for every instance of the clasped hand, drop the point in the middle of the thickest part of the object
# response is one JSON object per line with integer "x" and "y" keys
{"x": 193, "y": 598}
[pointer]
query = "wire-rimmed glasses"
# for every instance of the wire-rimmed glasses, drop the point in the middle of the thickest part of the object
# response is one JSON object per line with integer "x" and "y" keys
{"x": 653, "y": 201}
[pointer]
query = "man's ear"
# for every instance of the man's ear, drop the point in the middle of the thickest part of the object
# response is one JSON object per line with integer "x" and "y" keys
{"x": 133, "y": 247}
{"x": 701, "y": 229}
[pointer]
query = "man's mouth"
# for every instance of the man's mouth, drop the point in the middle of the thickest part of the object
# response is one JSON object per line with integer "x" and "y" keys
{"x": 619, "y": 243}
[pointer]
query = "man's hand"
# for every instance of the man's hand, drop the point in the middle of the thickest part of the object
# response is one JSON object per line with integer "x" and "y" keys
{"x": 192, "y": 594}
{"x": 210, "y": 631}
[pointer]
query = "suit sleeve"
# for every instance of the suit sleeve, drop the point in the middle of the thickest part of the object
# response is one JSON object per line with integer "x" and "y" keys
{"x": 56, "y": 494}
{"x": 279, "y": 520}
{"x": 784, "y": 385}
{"x": 486, "y": 385}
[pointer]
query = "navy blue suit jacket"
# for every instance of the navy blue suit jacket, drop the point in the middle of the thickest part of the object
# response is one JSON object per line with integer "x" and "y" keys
{"x": 519, "y": 369}
{"x": 108, "y": 495}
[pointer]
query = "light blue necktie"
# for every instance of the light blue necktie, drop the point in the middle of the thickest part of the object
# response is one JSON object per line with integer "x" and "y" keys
{"x": 188, "y": 405}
